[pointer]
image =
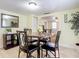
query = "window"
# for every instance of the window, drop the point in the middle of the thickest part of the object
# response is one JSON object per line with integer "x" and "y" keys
{"x": 54, "y": 25}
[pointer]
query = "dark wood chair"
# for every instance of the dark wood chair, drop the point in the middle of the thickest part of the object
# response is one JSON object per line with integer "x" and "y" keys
{"x": 32, "y": 40}
{"x": 52, "y": 47}
{"x": 25, "y": 45}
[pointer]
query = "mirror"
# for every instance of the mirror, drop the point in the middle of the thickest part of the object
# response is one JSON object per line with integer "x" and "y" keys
{"x": 9, "y": 21}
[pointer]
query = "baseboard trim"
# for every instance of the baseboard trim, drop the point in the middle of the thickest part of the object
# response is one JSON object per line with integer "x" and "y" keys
{"x": 67, "y": 46}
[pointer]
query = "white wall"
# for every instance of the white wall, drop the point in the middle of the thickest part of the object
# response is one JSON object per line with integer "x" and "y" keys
{"x": 67, "y": 39}
{"x": 23, "y": 23}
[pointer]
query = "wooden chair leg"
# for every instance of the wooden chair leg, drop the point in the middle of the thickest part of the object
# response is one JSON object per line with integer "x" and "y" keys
{"x": 27, "y": 55}
{"x": 55, "y": 53}
{"x": 30, "y": 55}
{"x": 19, "y": 53}
{"x": 46, "y": 53}
{"x": 37, "y": 53}
{"x": 41, "y": 52}
{"x": 58, "y": 53}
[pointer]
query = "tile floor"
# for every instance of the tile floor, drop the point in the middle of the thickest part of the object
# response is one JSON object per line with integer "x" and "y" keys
{"x": 64, "y": 53}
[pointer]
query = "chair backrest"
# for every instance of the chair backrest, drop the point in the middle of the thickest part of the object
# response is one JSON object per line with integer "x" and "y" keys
{"x": 21, "y": 37}
{"x": 57, "y": 39}
{"x": 29, "y": 31}
{"x": 48, "y": 31}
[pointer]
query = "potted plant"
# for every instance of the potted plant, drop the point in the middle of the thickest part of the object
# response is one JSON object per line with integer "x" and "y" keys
{"x": 75, "y": 23}
{"x": 8, "y": 30}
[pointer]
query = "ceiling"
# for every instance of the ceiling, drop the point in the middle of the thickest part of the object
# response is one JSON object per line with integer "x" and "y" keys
{"x": 46, "y": 6}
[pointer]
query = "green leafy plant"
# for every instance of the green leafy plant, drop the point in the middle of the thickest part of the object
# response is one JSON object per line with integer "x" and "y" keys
{"x": 8, "y": 30}
{"x": 75, "y": 22}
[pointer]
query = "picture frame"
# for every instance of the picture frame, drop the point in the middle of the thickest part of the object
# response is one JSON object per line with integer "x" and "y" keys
{"x": 9, "y": 21}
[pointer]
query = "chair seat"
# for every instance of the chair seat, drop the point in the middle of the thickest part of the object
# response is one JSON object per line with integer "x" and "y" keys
{"x": 51, "y": 44}
{"x": 33, "y": 41}
{"x": 52, "y": 47}
{"x": 30, "y": 48}
{"x": 44, "y": 40}
{"x": 48, "y": 47}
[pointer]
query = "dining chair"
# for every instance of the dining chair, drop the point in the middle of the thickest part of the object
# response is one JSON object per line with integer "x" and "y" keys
{"x": 50, "y": 47}
{"x": 32, "y": 40}
{"x": 24, "y": 44}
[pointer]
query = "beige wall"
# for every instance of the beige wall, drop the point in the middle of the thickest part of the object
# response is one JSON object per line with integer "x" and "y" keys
{"x": 24, "y": 22}
{"x": 67, "y": 39}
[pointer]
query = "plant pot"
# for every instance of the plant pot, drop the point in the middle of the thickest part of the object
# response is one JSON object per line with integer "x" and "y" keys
{"x": 77, "y": 44}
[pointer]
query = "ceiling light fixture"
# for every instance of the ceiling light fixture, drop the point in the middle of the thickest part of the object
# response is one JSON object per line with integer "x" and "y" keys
{"x": 32, "y": 5}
